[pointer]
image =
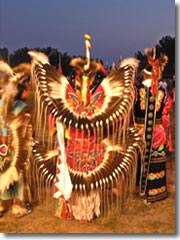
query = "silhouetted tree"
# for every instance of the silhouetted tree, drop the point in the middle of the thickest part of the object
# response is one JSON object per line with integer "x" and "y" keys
{"x": 55, "y": 57}
{"x": 19, "y": 56}
{"x": 52, "y": 54}
{"x": 167, "y": 46}
{"x": 65, "y": 63}
{"x": 143, "y": 60}
{"x": 4, "y": 53}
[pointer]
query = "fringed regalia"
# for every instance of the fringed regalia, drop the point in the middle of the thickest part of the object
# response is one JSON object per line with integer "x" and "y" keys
{"x": 97, "y": 151}
{"x": 15, "y": 138}
{"x": 148, "y": 108}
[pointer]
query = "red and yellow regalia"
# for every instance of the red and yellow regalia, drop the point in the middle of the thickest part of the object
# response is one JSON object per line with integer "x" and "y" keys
{"x": 148, "y": 108}
{"x": 97, "y": 152}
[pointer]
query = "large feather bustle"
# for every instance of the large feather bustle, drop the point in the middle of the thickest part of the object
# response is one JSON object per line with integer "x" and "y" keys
{"x": 22, "y": 139}
{"x": 10, "y": 90}
{"x": 119, "y": 163}
{"x": 17, "y": 126}
{"x": 115, "y": 161}
{"x": 51, "y": 154}
{"x": 16, "y": 73}
{"x": 6, "y": 75}
{"x": 7, "y": 107}
{"x": 129, "y": 61}
{"x": 10, "y": 76}
{"x": 8, "y": 93}
{"x": 118, "y": 85}
{"x": 22, "y": 68}
{"x": 22, "y": 71}
{"x": 5, "y": 68}
{"x": 51, "y": 89}
{"x": 118, "y": 167}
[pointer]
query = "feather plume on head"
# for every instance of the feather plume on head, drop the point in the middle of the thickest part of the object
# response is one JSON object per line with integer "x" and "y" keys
{"x": 88, "y": 47}
{"x": 39, "y": 56}
{"x": 155, "y": 67}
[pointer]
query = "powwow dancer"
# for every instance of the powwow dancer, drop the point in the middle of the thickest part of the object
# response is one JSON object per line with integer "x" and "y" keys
{"x": 149, "y": 103}
{"x": 15, "y": 138}
{"x": 97, "y": 151}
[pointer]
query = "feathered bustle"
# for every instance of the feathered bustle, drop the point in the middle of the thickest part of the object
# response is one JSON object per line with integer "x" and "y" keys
{"x": 5, "y": 68}
{"x": 23, "y": 68}
{"x": 10, "y": 90}
{"x": 51, "y": 154}
{"x": 8, "y": 178}
{"x": 129, "y": 61}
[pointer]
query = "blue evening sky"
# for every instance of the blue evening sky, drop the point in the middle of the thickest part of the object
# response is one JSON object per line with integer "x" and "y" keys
{"x": 117, "y": 27}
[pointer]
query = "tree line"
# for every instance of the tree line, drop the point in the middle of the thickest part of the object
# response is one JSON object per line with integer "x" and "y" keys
{"x": 166, "y": 45}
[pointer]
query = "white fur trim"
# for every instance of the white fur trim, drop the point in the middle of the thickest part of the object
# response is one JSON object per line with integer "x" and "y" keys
{"x": 147, "y": 82}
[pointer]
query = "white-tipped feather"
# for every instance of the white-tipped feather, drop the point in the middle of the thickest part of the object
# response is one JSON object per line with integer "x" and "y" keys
{"x": 50, "y": 154}
{"x": 5, "y": 68}
{"x": 39, "y": 56}
{"x": 130, "y": 61}
{"x": 112, "y": 147}
{"x": 58, "y": 90}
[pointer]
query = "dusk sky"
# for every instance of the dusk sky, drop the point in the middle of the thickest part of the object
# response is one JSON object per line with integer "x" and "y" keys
{"x": 117, "y": 27}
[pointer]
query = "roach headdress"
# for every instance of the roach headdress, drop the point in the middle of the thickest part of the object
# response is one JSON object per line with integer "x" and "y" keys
{"x": 154, "y": 68}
